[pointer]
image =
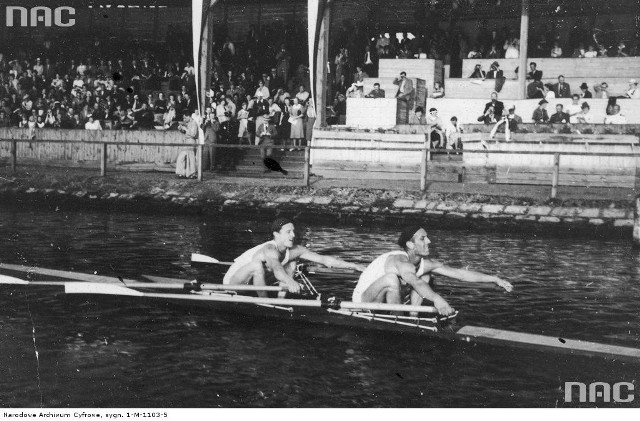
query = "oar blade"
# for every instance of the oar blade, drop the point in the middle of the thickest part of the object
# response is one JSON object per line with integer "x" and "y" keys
{"x": 95, "y": 288}
{"x": 201, "y": 258}
{"x": 10, "y": 280}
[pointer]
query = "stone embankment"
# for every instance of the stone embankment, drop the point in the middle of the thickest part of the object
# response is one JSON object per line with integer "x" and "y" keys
{"x": 147, "y": 193}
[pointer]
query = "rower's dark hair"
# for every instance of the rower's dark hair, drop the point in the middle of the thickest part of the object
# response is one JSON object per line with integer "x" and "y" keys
{"x": 277, "y": 225}
{"x": 407, "y": 235}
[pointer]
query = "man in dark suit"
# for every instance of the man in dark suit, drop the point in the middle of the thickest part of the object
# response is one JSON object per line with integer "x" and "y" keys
{"x": 376, "y": 92}
{"x": 560, "y": 117}
{"x": 370, "y": 60}
{"x": 534, "y": 73}
{"x": 561, "y": 88}
{"x": 405, "y": 87}
{"x": 495, "y": 72}
{"x": 498, "y": 106}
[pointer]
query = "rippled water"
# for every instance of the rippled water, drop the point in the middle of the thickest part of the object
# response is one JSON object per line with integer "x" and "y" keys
{"x": 116, "y": 352}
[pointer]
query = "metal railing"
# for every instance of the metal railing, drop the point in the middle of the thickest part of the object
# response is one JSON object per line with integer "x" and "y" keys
{"x": 426, "y": 153}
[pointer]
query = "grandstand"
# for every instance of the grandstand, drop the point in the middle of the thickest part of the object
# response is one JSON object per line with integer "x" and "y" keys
{"x": 158, "y": 33}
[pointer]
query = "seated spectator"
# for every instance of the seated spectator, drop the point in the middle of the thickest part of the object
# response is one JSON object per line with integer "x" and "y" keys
{"x": 405, "y": 87}
{"x": 534, "y": 73}
{"x": 540, "y": 113}
{"x": 559, "y": 116}
{"x": 376, "y": 92}
{"x": 633, "y": 92}
{"x": 494, "y": 71}
{"x": 489, "y": 116}
{"x": 621, "y": 50}
{"x": 591, "y": 52}
{"x": 562, "y": 89}
{"x": 92, "y": 124}
{"x": 341, "y": 86}
{"x": 579, "y": 51}
{"x": 514, "y": 119}
{"x": 556, "y": 51}
{"x": 584, "y": 91}
{"x": 601, "y": 90}
{"x": 418, "y": 117}
{"x": 535, "y": 89}
{"x": 438, "y": 90}
{"x": 356, "y": 90}
{"x": 512, "y": 48}
{"x": 548, "y": 92}
{"x": 453, "y": 134}
{"x": 478, "y": 73}
{"x": 584, "y": 116}
{"x": 360, "y": 74}
{"x": 493, "y": 52}
{"x": 498, "y": 106}
{"x": 574, "y": 108}
{"x": 338, "y": 111}
{"x": 434, "y": 129}
{"x": 474, "y": 52}
{"x": 616, "y": 117}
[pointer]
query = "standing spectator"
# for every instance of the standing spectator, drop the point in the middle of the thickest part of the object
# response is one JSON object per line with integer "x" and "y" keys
{"x": 512, "y": 48}
{"x": 369, "y": 61}
{"x": 405, "y": 87}
{"x": 283, "y": 59}
{"x": 266, "y": 132}
{"x": 262, "y": 91}
{"x": 616, "y": 117}
{"x": 243, "y": 128}
{"x": 584, "y": 91}
{"x": 302, "y": 95}
{"x": 559, "y": 116}
{"x": 562, "y": 89}
{"x": 591, "y": 52}
{"x": 186, "y": 161}
{"x": 360, "y": 74}
{"x": 540, "y": 113}
{"x": 556, "y": 51}
{"x": 310, "y": 120}
{"x": 296, "y": 119}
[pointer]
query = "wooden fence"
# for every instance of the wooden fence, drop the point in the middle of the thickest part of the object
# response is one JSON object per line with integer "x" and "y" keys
{"x": 102, "y": 148}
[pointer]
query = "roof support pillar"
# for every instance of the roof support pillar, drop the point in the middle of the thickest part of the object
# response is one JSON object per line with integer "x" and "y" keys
{"x": 524, "y": 43}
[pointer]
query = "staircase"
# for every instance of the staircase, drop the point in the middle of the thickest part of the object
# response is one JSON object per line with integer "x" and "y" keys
{"x": 250, "y": 164}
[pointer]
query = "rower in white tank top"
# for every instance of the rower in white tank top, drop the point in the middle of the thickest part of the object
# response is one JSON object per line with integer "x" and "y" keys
{"x": 246, "y": 258}
{"x": 375, "y": 270}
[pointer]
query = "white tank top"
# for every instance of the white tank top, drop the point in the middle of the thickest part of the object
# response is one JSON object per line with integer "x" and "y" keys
{"x": 375, "y": 270}
{"x": 246, "y": 258}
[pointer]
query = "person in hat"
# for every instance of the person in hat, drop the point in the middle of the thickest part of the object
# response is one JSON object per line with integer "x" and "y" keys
{"x": 406, "y": 272}
{"x": 277, "y": 259}
{"x": 584, "y": 91}
{"x": 540, "y": 113}
{"x": 633, "y": 92}
{"x": 584, "y": 116}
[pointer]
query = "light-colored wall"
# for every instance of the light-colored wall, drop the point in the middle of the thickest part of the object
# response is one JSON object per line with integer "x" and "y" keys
{"x": 371, "y": 113}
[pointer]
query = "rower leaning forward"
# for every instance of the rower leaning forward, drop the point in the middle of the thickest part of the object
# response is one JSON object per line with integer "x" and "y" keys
{"x": 276, "y": 260}
{"x": 407, "y": 272}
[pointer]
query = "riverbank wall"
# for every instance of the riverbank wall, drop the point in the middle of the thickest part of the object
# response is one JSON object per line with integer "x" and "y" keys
{"x": 162, "y": 193}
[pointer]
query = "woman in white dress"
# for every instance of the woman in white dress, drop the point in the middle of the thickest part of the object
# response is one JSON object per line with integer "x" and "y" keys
{"x": 243, "y": 118}
{"x": 296, "y": 116}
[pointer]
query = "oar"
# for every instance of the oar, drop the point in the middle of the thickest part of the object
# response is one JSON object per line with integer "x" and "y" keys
{"x": 197, "y": 258}
{"x": 107, "y": 289}
{"x": 175, "y": 284}
{"x": 87, "y": 277}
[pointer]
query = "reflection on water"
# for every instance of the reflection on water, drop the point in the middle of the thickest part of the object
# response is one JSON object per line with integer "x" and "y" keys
{"x": 111, "y": 351}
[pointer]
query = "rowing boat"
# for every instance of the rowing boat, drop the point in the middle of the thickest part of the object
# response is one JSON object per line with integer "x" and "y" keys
{"x": 322, "y": 311}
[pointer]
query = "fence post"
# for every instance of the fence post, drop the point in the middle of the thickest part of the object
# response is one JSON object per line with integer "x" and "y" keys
{"x": 556, "y": 175}
{"x": 307, "y": 165}
{"x": 14, "y": 155}
{"x": 199, "y": 156}
{"x": 103, "y": 160}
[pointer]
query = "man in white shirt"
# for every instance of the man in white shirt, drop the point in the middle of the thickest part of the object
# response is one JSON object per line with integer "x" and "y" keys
{"x": 453, "y": 132}
{"x": 262, "y": 90}
{"x": 616, "y": 117}
{"x": 584, "y": 116}
{"x": 574, "y": 108}
{"x": 302, "y": 95}
{"x": 633, "y": 92}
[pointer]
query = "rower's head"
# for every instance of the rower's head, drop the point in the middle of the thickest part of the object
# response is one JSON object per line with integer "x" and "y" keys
{"x": 283, "y": 232}
{"x": 415, "y": 238}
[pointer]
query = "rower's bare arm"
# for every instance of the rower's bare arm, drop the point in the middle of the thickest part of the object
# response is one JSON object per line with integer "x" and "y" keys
{"x": 407, "y": 272}
{"x": 328, "y": 261}
{"x": 272, "y": 260}
{"x": 472, "y": 276}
